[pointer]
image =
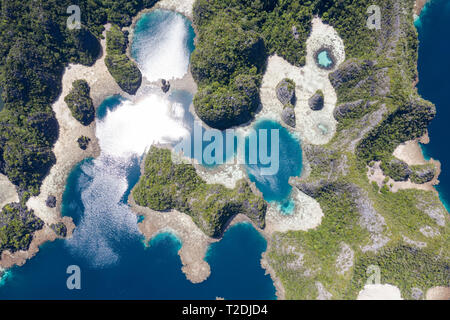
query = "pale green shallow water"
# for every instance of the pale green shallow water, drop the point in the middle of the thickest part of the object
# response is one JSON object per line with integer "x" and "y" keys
{"x": 323, "y": 59}
{"x": 114, "y": 260}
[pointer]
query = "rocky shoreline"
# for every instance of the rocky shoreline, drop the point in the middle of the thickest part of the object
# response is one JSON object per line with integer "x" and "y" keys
{"x": 419, "y": 5}
{"x": 68, "y": 153}
{"x": 46, "y": 234}
{"x": 194, "y": 243}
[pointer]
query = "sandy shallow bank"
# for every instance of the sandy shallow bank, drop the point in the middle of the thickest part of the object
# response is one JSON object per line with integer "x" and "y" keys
{"x": 410, "y": 152}
{"x": 184, "y": 7}
{"x": 66, "y": 149}
{"x": 438, "y": 293}
{"x": 418, "y": 6}
{"x": 194, "y": 243}
{"x": 8, "y": 192}
{"x": 379, "y": 292}
{"x": 46, "y": 234}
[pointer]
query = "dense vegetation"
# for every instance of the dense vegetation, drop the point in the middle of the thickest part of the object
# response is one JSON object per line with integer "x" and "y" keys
{"x": 378, "y": 108}
{"x": 235, "y": 38}
{"x": 16, "y": 227}
{"x": 80, "y": 103}
{"x": 418, "y": 269}
{"x": 60, "y": 229}
{"x": 165, "y": 186}
{"x": 409, "y": 121}
{"x": 396, "y": 169}
{"x": 123, "y": 70}
{"x": 35, "y": 46}
{"x": 301, "y": 259}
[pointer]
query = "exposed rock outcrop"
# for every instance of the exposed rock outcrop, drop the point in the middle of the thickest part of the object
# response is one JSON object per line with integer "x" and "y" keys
{"x": 359, "y": 78}
{"x": 288, "y": 116}
{"x": 348, "y": 71}
{"x": 316, "y": 102}
{"x": 51, "y": 202}
{"x": 342, "y": 110}
{"x": 286, "y": 92}
{"x": 165, "y": 86}
{"x": 423, "y": 174}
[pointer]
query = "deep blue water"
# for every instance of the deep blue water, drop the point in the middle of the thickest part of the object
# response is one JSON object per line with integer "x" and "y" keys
{"x": 276, "y": 187}
{"x": 114, "y": 259}
{"x": 109, "y": 104}
{"x": 434, "y": 83}
{"x": 140, "y": 271}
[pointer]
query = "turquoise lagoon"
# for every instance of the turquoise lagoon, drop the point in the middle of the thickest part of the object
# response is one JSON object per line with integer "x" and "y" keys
{"x": 434, "y": 85}
{"x": 276, "y": 188}
{"x": 115, "y": 260}
{"x": 323, "y": 59}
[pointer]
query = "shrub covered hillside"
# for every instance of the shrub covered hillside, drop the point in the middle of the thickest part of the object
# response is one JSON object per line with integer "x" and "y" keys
{"x": 165, "y": 186}
{"x": 80, "y": 103}
{"x": 123, "y": 70}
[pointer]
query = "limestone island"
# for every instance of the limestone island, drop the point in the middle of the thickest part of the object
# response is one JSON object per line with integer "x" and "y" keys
{"x": 364, "y": 200}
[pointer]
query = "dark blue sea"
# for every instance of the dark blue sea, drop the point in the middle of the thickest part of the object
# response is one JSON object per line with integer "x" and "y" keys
{"x": 433, "y": 26}
{"x": 114, "y": 259}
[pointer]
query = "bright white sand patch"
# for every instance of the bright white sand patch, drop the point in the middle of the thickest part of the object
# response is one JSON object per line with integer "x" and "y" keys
{"x": 315, "y": 127}
{"x": 194, "y": 242}
{"x": 182, "y": 6}
{"x": 410, "y": 152}
{"x": 307, "y": 215}
{"x": 438, "y": 293}
{"x": 380, "y": 292}
{"x": 8, "y": 191}
{"x": 66, "y": 149}
{"x": 227, "y": 175}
